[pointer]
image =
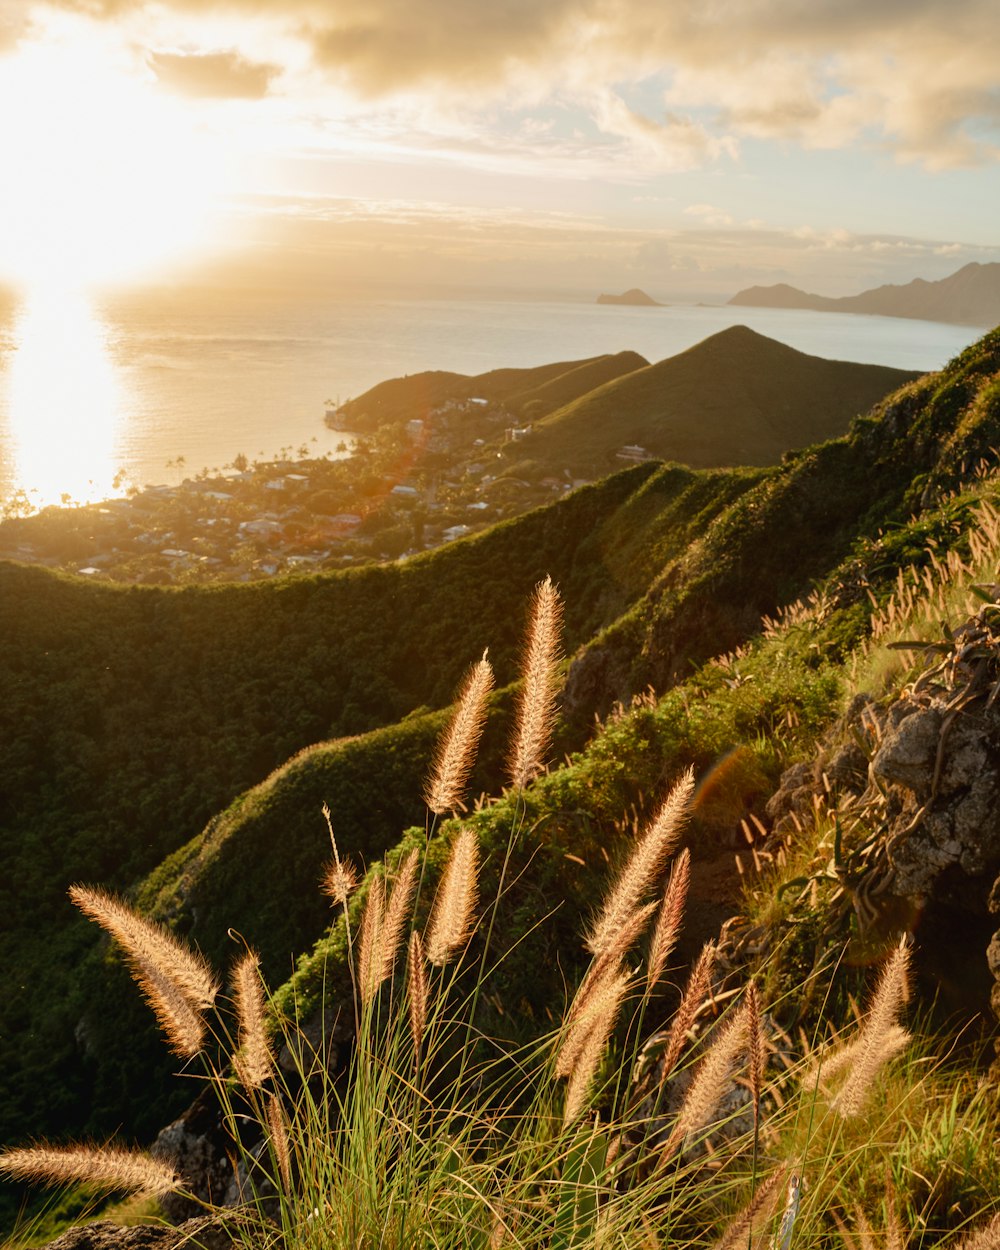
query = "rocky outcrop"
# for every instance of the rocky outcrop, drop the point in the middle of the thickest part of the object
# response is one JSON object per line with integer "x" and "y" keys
{"x": 207, "y": 1233}
{"x": 918, "y": 781}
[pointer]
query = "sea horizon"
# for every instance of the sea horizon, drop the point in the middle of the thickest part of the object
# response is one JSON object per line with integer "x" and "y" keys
{"x": 166, "y": 387}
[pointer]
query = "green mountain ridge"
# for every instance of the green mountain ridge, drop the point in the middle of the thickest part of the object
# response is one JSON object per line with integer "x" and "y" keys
{"x": 737, "y": 397}
{"x": 139, "y": 723}
{"x": 416, "y": 395}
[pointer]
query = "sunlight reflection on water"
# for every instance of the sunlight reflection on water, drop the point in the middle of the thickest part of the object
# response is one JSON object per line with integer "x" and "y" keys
{"x": 64, "y": 402}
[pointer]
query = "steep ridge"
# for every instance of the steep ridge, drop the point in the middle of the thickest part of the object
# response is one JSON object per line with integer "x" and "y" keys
{"x": 661, "y": 567}
{"x": 735, "y": 398}
{"x": 400, "y": 399}
{"x": 131, "y": 715}
{"x": 970, "y": 296}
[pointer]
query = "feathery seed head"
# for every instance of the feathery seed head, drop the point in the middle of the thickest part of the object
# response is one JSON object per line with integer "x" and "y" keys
{"x": 668, "y": 923}
{"x": 456, "y": 752}
{"x": 598, "y": 995}
{"x": 698, "y": 986}
{"x": 644, "y": 864}
{"x": 144, "y": 941}
{"x": 278, "y": 1133}
{"x": 397, "y": 911}
{"x": 106, "y": 1167}
{"x": 177, "y": 983}
{"x": 539, "y": 680}
{"x": 372, "y": 939}
{"x": 581, "y": 1052}
{"x": 339, "y": 878}
{"x": 452, "y": 919}
{"x": 878, "y": 1034}
{"x": 253, "y": 1061}
{"x": 711, "y": 1080}
{"x": 418, "y": 991}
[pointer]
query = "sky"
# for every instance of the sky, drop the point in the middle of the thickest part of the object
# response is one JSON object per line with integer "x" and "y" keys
{"x": 689, "y": 147}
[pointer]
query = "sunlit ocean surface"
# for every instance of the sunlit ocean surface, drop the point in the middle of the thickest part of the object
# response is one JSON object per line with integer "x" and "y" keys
{"x": 94, "y": 396}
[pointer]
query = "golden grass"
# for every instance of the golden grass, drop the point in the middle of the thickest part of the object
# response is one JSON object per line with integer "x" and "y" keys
{"x": 539, "y": 684}
{"x": 457, "y": 750}
{"x": 453, "y": 917}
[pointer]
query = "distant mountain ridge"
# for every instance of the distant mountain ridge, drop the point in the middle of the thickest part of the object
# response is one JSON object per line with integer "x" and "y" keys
{"x": 971, "y": 296}
{"x": 737, "y": 397}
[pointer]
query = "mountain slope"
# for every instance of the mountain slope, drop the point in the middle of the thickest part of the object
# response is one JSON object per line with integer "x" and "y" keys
{"x": 735, "y": 398}
{"x": 400, "y": 399}
{"x": 130, "y": 717}
{"x": 970, "y": 296}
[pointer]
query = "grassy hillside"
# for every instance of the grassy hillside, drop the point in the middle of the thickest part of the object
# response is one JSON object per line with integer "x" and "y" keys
{"x": 131, "y": 717}
{"x": 400, "y": 399}
{"x": 735, "y": 398}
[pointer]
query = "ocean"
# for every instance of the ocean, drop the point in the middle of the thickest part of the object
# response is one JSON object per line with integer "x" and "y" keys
{"x": 97, "y": 396}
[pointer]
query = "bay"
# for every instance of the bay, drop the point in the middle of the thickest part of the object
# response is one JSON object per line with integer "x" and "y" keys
{"x": 95, "y": 396}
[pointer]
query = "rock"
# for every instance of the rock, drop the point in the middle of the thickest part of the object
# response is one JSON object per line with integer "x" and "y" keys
{"x": 206, "y": 1233}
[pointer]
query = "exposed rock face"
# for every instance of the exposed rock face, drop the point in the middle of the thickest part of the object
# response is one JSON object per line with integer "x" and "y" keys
{"x": 930, "y": 796}
{"x": 206, "y": 1233}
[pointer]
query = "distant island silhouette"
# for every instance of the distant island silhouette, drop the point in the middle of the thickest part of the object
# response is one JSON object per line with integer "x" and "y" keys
{"x": 634, "y": 298}
{"x": 971, "y": 296}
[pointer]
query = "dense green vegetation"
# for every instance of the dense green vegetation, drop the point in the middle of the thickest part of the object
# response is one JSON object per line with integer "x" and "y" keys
{"x": 135, "y": 718}
{"x": 736, "y": 398}
{"x": 526, "y": 391}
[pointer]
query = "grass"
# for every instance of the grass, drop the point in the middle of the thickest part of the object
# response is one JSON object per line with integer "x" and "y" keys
{"x": 437, "y": 1132}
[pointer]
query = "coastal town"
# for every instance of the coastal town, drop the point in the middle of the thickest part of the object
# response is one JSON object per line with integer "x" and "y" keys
{"x": 404, "y": 488}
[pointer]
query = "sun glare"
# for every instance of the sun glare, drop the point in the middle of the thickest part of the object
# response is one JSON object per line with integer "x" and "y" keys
{"x": 104, "y": 179}
{"x": 63, "y": 400}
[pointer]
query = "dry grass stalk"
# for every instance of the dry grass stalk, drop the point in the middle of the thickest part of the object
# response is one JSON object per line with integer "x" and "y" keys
{"x": 417, "y": 991}
{"x": 452, "y": 920}
{"x": 759, "y": 1209}
{"x": 278, "y": 1133}
{"x": 711, "y": 1080}
{"x": 756, "y": 1049}
{"x": 537, "y": 700}
{"x": 602, "y": 996}
{"x": 825, "y": 1072}
{"x": 397, "y": 912}
{"x": 182, "y": 1024}
{"x": 877, "y": 1033}
{"x": 147, "y": 943}
{"x": 253, "y": 1061}
{"x": 694, "y": 994}
{"x": 457, "y": 750}
{"x": 644, "y": 865}
{"x": 108, "y": 1167}
{"x": 592, "y": 1041}
{"x": 371, "y": 940}
{"x": 609, "y": 962}
{"x": 668, "y": 923}
{"x": 340, "y": 877}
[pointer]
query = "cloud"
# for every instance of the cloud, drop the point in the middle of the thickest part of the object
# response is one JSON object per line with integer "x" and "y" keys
{"x": 216, "y": 75}
{"x": 917, "y": 78}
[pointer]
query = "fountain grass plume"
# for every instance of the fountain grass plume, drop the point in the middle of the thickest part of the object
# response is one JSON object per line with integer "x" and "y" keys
{"x": 456, "y": 752}
{"x": 644, "y": 865}
{"x": 108, "y": 1168}
{"x": 539, "y": 682}
{"x": 397, "y": 912}
{"x": 253, "y": 1061}
{"x": 669, "y": 920}
{"x": 879, "y": 1033}
{"x": 453, "y": 917}
{"x": 177, "y": 983}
